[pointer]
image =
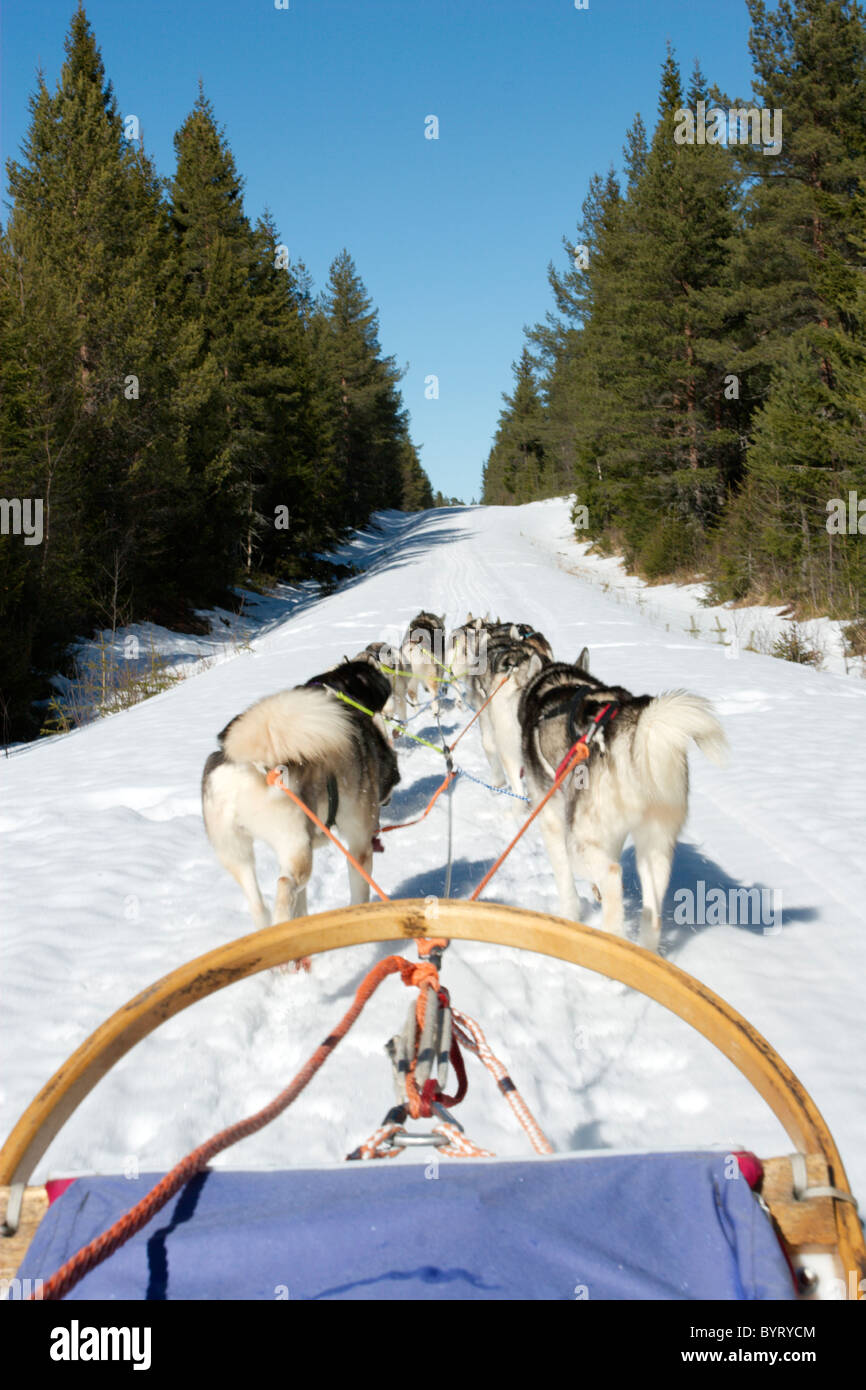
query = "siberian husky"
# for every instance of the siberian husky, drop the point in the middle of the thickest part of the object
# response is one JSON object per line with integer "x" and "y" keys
{"x": 513, "y": 654}
{"x": 422, "y": 654}
{"x": 333, "y": 757}
{"x": 635, "y": 783}
{"x": 389, "y": 660}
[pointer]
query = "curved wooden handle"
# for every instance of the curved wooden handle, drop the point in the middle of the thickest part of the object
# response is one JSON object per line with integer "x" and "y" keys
{"x": 608, "y": 955}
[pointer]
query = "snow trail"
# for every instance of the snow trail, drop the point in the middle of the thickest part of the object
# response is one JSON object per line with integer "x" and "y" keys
{"x": 108, "y": 882}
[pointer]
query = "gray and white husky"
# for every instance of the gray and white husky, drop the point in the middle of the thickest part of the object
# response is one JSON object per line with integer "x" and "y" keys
{"x": 635, "y": 782}
{"x": 333, "y": 757}
{"x": 423, "y": 654}
{"x": 513, "y": 650}
{"x": 418, "y": 660}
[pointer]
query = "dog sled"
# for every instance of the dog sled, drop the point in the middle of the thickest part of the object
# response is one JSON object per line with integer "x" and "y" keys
{"x": 702, "y": 1225}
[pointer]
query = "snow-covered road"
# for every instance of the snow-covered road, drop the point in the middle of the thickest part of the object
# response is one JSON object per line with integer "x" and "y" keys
{"x": 108, "y": 882}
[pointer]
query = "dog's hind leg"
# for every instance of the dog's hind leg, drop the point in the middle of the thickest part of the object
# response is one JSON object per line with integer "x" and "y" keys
{"x": 290, "y": 901}
{"x": 553, "y": 830}
{"x": 235, "y": 852}
{"x": 285, "y": 899}
{"x": 398, "y": 709}
{"x": 488, "y": 739}
{"x": 654, "y": 851}
{"x": 295, "y": 853}
{"x": 244, "y": 871}
{"x": 359, "y": 888}
{"x": 508, "y": 749}
{"x": 600, "y": 864}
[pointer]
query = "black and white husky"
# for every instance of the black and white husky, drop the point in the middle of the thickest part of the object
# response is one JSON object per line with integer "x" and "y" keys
{"x": 389, "y": 660}
{"x": 335, "y": 758}
{"x": 635, "y": 782}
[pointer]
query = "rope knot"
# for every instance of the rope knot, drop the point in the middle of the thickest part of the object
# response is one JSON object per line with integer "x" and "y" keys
{"x": 419, "y": 973}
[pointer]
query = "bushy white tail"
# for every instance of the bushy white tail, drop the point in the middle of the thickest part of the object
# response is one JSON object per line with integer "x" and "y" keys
{"x": 663, "y": 733}
{"x": 295, "y": 726}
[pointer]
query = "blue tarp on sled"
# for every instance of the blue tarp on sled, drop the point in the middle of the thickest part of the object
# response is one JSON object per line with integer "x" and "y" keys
{"x": 648, "y": 1226}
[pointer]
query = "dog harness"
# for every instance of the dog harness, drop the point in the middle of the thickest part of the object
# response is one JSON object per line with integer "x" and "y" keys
{"x": 333, "y": 800}
{"x": 569, "y": 704}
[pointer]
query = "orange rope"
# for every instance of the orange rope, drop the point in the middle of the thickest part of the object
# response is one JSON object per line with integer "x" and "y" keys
{"x": 477, "y": 712}
{"x": 449, "y": 777}
{"x": 381, "y": 1143}
{"x": 274, "y": 779}
{"x": 581, "y": 753}
{"x": 418, "y": 974}
{"x": 413, "y": 1095}
{"x": 424, "y": 944}
{"x": 471, "y": 1036}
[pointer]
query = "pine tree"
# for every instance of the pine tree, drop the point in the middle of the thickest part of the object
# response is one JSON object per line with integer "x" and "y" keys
{"x": 292, "y": 499}
{"x": 170, "y": 389}
{"x": 516, "y": 469}
{"x": 583, "y": 391}
{"x": 367, "y": 422}
{"x": 796, "y": 268}
{"x": 671, "y": 442}
{"x": 213, "y": 265}
{"x": 84, "y": 260}
{"x": 417, "y": 494}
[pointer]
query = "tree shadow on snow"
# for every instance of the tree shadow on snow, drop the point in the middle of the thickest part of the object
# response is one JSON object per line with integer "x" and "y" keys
{"x": 400, "y": 545}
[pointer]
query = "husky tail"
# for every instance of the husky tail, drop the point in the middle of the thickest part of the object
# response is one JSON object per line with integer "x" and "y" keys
{"x": 662, "y": 736}
{"x": 293, "y": 727}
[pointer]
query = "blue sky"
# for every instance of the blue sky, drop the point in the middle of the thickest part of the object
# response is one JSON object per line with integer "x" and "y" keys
{"x": 324, "y": 106}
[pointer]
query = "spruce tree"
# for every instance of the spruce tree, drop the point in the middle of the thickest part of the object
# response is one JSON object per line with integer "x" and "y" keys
{"x": 516, "y": 469}
{"x": 367, "y": 422}
{"x": 417, "y": 494}
{"x": 797, "y": 267}
{"x": 677, "y": 223}
{"x": 84, "y": 253}
{"x": 213, "y": 259}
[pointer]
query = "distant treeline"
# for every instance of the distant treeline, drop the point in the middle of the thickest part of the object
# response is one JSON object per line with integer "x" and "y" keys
{"x": 701, "y": 383}
{"x": 178, "y": 411}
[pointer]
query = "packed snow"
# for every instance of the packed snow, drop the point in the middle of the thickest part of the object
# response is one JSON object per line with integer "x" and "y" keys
{"x": 109, "y": 882}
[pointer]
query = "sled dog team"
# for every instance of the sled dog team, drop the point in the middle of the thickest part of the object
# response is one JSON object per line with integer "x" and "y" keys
{"x": 339, "y": 760}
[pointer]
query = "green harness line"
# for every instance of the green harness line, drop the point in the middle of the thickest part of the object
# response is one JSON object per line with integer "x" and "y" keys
{"x": 392, "y": 671}
{"x": 442, "y": 664}
{"x": 412, "y": 675}
{"x": 347, "y": 700}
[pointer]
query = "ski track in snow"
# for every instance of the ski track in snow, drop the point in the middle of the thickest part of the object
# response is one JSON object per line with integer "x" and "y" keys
{"x": 109, "y": 882}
